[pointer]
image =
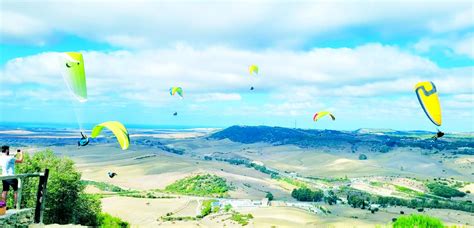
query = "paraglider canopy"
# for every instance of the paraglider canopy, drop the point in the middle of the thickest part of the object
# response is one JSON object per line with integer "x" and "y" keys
{"x": 178, "y": 90}
{"x": 253, "y": 69}
{"x": 429, "y": 101}
{"x": 320, "y": 115}
{"x": 72, "y": 65}
{"x": 117, "y": 128}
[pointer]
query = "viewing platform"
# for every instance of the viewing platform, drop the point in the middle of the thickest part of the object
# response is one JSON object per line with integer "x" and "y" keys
{"x": 25, "y": 217}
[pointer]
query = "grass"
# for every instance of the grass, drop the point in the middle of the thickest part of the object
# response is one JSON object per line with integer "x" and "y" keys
{"x": 200, "y": 185}
{"x": 206, "y": 208}
{"x": 294, "y": 182}
{"x": 107, "y": 220}
{"x": 408, "y": 191}
{"x": 376, "y": 184}
{"x": 103, "y": 186}
{"x": 242, "y": 219}
{"x": 419, "y": 221}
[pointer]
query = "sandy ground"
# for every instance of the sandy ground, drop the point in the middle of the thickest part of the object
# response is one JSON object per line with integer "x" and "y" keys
{"x": 142, "y": 212}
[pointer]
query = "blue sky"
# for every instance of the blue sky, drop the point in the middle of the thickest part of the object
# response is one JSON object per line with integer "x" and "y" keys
{"x": 358, "y": 59}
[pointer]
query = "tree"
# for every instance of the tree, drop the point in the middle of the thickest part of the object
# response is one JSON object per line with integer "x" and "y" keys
{"x": 269, "y": 196}
{"x": 362, "y": 157}
{"x": 305, "y": 194}
{"x": 66, "y": 201}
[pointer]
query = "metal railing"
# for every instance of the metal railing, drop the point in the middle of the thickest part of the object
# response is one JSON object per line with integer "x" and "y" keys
{"x": 41, "y": 193}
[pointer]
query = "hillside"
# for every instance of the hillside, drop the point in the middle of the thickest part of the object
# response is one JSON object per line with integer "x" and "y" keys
{"x": 356, "y": 140}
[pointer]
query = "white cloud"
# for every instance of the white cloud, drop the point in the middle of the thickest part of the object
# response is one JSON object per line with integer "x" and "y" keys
{"x": 466, "y": 46}
{"x": 22, "y": 26}
{"x": 460, "y": 20}
{"x": 459, "y": 46}
{"x": 264, "y": 23}
{"x": 217, "y": 97}
{"x": 370, "y": 79}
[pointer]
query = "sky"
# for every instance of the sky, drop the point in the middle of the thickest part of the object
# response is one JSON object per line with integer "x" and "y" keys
{"x": 358, "y": 59}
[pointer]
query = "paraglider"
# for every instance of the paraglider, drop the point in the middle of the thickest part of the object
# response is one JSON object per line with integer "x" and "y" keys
{"x": 429, "y": 101}
{"x": 72, "y": 65}
{"x": 320, "y": 115}
{"x": 175, "y": 113}
{"x": 178, "y": 90}
{"x": 253, "y": 69}
{"x": 117, "y": 128}
{"x": 112, "y": 174}
{"x": 83, "y": 141}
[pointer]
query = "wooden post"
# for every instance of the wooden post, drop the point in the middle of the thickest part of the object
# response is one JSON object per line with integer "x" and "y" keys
{"x": 20, "y": 188}
{"x": 40, "y": 197}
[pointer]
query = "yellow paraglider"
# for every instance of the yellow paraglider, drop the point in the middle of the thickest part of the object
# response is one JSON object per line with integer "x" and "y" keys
{"x": 117, "y": 128}
{"x": 72, "y": 65}
{"x": 320, "y": 115}
{"x": 253, "y": 69}
{"x": 429, "y": 101}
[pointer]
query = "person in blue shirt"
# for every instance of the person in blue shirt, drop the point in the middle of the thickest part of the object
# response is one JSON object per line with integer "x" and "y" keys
{"x": 83, "y": 141}
{"x": 7, "y": 163}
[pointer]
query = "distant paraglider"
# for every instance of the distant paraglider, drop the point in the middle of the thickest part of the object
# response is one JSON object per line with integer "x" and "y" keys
{"x": 253, "y": 70}
{"x": 176, "y": 90}
{"x": 117, "y": 128}
{"x": 320, "y": 115}
{"x": 112, "y": 174}
{"x": 429, "y": 101}
{"x": 175, "y": 113}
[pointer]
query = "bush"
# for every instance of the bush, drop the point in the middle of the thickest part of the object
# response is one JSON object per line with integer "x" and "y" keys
{"x": 417, "y": 221}
{"x": 269, "y": 196}
{"x": 306, "y": 194}
{"x": 241, "y": 218}
{"x": 106, "y": 220}
{"x": 444, "y": 191}
{"x": 66, "y": 201}
{"x": 200, "y": 185}
{"x": 362, "y": 157}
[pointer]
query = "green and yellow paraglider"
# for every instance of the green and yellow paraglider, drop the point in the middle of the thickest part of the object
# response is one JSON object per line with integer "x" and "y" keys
{"x": 428, "y": 97}
{"x": 320, "y": 115}
{"x": 72, "y": 65}
{"x": 117, "y": 128}
{"x": 176, "y": 90}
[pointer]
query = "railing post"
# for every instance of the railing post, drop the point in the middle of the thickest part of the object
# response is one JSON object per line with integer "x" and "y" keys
{"x": 20, "y": 188}
{"x": 40, "y": 197}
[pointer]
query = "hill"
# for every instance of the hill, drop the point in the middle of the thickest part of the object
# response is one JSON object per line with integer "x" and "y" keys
{"x": 375, "y": 141}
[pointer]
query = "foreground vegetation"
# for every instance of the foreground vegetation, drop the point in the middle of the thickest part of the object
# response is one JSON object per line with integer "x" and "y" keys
{"x": 200, "y": 185}
{"x": 66, "y": 202}
{"x": 420, "y": 221}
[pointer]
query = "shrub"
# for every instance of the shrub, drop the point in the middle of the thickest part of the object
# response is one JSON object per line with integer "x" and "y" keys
{"x": 106, "y": 220}
{"x": 269, "y": 196}
{"x": 417, "y": 221}
{"x": 444, "y": 191}
{"x": 362, "y": 157}
{"x": 306, "y": 194}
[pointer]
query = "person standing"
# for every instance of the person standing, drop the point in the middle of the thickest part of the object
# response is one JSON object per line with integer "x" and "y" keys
{"x": 7, "y": 163}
